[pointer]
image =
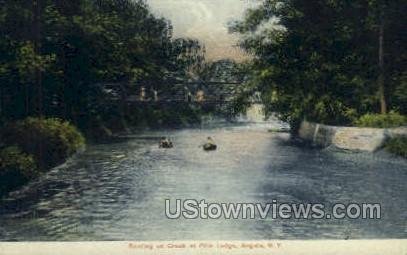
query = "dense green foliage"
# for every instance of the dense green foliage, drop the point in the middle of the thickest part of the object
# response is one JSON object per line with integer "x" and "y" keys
{"x": 389, "y": 120}
{"x": 49, "y": 141}
{"x": 16, "y": 168}
{"x": 172, "y": 116}
{"x": 319, "y": 60}
{"x": 56, "y": 56}
{"x": 397, "y": 146}
{"x": 224, "y": 70}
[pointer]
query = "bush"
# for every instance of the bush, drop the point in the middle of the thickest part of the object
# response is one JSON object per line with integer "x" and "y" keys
{"x": 397, "y": 146}
{"x": 389, "y": 120}
{"x": 50, "y": 141}
{"x": 16, "y": 168}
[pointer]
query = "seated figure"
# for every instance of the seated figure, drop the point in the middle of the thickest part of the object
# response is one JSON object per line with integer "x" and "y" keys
{"x": 165, "y": 143}
{"x": 209, "y": 145}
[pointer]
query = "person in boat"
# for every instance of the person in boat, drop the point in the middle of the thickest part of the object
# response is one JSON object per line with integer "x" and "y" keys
{"x": 210, "y": 144}
{"x": 165, "y": 143}
{"x": 209, "y": 140}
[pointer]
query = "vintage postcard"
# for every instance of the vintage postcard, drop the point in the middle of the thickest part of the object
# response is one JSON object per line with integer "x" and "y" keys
{"x": 203, "y": 127}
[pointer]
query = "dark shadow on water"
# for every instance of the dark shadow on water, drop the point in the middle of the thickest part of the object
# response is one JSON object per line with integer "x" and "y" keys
{"x": 21, "y": 201}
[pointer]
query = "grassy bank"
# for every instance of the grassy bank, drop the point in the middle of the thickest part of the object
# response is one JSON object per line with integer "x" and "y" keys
{"x": 389, "y": 120}
{"x": 33, "y": 146}
{"x": 397, "y": 146}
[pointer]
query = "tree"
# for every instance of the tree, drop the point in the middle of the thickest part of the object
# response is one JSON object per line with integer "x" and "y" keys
{"x": 319, "y": 60}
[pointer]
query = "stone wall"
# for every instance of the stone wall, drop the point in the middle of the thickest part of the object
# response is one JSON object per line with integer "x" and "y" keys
{"x": 348, "y": 138}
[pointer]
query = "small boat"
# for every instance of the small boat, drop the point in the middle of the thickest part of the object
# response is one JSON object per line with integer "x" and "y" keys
{"x": 210, "y": 147}
{"x": 166, "y": 145}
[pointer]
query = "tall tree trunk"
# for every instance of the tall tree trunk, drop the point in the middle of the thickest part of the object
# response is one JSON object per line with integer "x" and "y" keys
{"x": 1, "y": 102}
{"x": 27, "y": 100}
{"x": 64, "y": 80}
{"x": 37, "y": 46}
{"x": 380, "y": 80}
{"x": 38, "y": 72}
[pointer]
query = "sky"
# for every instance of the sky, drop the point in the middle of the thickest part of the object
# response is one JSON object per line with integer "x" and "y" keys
{"x": 205, "y": 20}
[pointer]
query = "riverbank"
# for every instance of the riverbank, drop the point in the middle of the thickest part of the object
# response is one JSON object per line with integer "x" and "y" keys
{"x": 349, "y": 138}
{"x": 33, "y": 146}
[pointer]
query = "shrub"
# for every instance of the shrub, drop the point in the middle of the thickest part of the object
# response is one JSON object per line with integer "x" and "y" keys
{"x": 397, "y": 146}
{"x": 50, "y": 141}
{"x": 16, "y": 168}
{"x": 389, "y": 120}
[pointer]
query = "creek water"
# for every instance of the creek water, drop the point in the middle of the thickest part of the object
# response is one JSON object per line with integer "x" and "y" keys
{"x": 117, "y": 191}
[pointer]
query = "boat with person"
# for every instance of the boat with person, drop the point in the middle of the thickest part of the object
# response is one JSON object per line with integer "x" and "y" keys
{"x": 165, "y": 143}
{"x": 210, "y": 145}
